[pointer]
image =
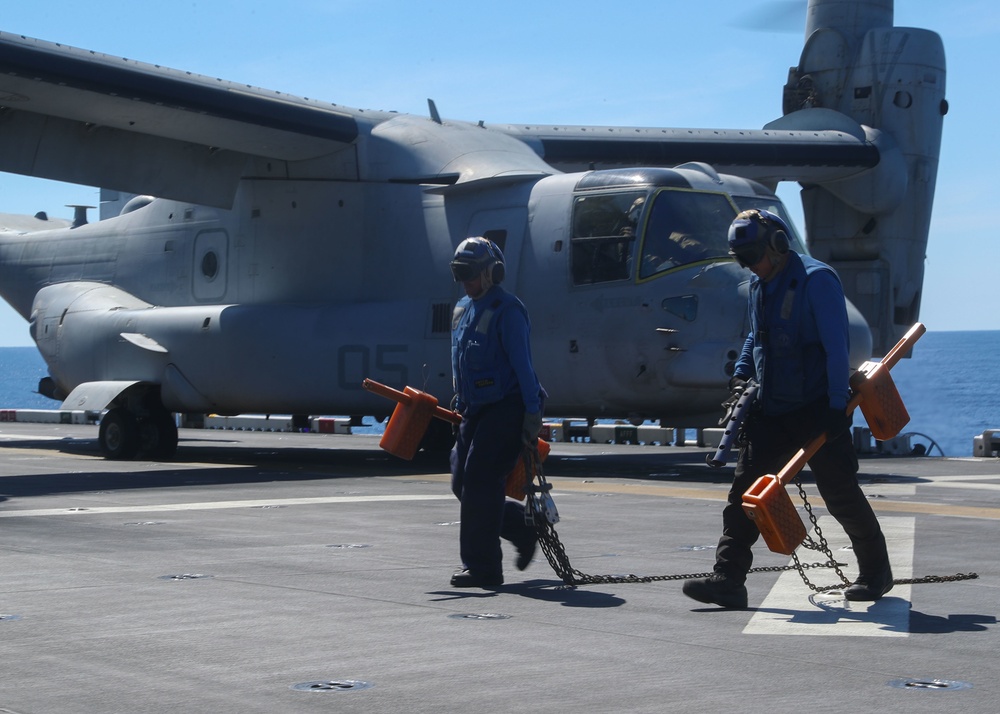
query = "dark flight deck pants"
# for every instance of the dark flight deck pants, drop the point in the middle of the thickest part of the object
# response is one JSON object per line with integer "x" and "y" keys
{"x": 487, "y": 447}
{"x": 772, "y": 443}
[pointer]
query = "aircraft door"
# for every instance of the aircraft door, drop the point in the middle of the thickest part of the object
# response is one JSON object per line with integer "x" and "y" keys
{"x": 505, "y": 227}
{"x": 211, "y": 265}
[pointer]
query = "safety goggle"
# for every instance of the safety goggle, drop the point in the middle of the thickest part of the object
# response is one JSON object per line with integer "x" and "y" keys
{"x": 465, "y": 272}
{"x": 747, "y": 256}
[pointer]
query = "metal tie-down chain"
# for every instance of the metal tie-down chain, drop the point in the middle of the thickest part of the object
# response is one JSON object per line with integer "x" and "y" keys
{"x": 824, "y": 547}
{"x": 540, "y": 512}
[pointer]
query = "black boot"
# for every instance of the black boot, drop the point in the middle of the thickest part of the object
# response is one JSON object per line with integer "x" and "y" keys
{"x": 526, "y": 550}
{"x": 718, "y": 589}
{"x": 870, "y": 587}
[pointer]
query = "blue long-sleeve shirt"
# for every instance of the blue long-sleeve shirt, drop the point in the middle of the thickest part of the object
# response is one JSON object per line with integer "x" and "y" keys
{"x": 798, "y": 346}
{"x": 491, "y": 351}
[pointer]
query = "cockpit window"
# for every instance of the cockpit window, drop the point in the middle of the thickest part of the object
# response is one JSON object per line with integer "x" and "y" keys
{"x": 684, "y": 227}
{"x": 604, "y": 232}
{"x": 673, "y": 227}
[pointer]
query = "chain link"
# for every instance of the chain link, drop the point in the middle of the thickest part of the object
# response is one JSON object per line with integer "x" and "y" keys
{"x": 555, "y": 553}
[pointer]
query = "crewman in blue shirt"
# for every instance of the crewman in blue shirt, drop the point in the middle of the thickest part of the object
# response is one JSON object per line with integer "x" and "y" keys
{"x": 500, "y": 400}
{"x": 797, "y": 349}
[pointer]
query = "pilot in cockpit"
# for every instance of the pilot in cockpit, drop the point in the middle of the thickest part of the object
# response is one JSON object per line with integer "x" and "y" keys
{"x": 631, "y": 227}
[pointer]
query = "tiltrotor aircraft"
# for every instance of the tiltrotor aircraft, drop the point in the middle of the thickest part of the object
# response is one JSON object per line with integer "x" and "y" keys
{"x": 296, "y": 247}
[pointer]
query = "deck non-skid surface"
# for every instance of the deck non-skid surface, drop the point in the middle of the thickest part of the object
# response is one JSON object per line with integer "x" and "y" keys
{"x": 265, "y": 572}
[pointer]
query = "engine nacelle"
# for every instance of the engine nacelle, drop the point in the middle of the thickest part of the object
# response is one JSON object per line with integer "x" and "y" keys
{"x": 873, "y": 228}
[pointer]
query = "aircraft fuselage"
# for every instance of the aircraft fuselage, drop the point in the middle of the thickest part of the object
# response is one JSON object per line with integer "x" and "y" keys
{"x": 287, "y": 302}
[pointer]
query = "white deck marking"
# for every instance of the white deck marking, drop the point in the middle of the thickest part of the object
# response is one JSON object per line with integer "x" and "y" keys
{"x": 792, "y": 608}
{"x": 885, "y": 489}
{"x": 23, "y": 437}
{"x": 889, "y": 489}
{"x": 84, "y": 510}
{"x": 966, "y": 481}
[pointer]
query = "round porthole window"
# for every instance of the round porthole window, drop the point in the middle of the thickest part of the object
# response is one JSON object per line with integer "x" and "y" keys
{"x": 210, "y": 265}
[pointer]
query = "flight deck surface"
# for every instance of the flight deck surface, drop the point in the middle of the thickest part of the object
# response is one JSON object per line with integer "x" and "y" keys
{"x": 264, "y": 572}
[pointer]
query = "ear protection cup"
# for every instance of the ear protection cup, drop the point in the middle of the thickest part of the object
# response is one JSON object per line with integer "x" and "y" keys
{"x": 755, "y": 231}
{"x": 497, "y": 268}
{"x": 475, "y": 256}
{"x": 779, "y": 241}
{"x": 777, "y": 237}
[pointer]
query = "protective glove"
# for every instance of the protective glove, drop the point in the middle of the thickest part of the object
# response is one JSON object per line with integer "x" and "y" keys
{"x": 737, "y": 385}
{"x": 530, "y": 428}
{"x": 835, "y": 423}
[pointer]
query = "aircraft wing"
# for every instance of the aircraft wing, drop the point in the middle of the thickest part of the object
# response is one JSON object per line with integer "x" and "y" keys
{"x": 83, "y": 117}
{"x": 812, "y": 146}
{"x": 79, "y": 116}
{"x": 12, "y": 223}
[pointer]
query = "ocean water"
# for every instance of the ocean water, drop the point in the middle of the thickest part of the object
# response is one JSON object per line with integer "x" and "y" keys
{"x": 951, "y": 388}
{"x": 20, "y": 370}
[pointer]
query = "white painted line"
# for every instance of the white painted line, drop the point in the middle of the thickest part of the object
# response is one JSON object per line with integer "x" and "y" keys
{"x": 792, "y": 608}
{"x": 215, "y": 505}
{"x": 964, "y": 477}
{"x": 27, "y": 437}
{"x": 888, "y": 489}
{"x": 967, "y": 481}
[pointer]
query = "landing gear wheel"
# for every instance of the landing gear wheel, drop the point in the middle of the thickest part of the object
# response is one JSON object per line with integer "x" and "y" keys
{"x": 158, "y": 435}
{"x": 119, "y": 435}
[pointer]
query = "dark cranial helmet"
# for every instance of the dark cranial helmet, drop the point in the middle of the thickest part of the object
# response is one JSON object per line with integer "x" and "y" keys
{"x": 752, "y": 233}
{"x": 474, "y": 256}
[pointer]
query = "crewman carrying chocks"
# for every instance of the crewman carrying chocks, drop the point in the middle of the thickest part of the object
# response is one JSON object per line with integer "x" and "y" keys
{"x": 767, "y": 502}
{"x": 797, "y": 354}
{"x": 797, "y": 351}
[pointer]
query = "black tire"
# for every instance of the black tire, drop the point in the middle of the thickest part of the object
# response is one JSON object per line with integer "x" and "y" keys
{"x": 119, "y": 435}
{"x": 158, "y": 436}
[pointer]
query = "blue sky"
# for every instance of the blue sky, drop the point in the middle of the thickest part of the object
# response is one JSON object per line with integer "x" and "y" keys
{"x": 718, "y": 64}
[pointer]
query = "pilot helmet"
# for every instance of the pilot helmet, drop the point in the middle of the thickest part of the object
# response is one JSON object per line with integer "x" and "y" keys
{"x": 475, "y": 256}
{"x": 752, "y": 233}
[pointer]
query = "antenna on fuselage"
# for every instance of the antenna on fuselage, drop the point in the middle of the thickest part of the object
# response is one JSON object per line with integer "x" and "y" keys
{"x": 435, "y": 117}
{"x": 79, "y": 215}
